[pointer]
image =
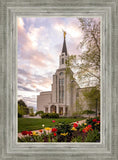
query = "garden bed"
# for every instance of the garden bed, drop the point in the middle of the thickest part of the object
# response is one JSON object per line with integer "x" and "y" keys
{"x": 65, "y": 132}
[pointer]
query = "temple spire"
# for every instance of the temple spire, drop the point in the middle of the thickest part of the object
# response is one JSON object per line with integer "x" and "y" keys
{"x": 64, "y": 49}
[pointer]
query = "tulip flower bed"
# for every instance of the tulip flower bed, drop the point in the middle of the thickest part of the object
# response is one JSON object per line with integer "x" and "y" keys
{"x": 64, "y": 132}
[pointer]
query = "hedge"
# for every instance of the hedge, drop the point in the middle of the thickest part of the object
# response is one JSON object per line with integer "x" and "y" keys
{"x": 49, "y": 115}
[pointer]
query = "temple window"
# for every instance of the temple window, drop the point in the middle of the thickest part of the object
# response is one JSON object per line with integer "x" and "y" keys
{"x": 62, "y": 60}
{"x": 61, "y": 90}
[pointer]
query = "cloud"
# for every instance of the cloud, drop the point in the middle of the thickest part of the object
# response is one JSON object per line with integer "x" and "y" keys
{"x": 72, "y": 29}
{"x": 24, "y": 88}
{"x": 29, "y": 44}
{"x": 33, "y": 82}
{"x": 34, "y": 34}
{"x": 40, "y": 43}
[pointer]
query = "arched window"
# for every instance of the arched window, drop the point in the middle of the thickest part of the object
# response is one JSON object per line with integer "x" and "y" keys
{"x": 62, "y": 60}
{"x": 61, "y": 73}
{"x": 53, "y": 109}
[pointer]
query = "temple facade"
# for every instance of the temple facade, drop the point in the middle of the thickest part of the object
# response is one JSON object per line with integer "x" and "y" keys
{"x": 64, "y": 95}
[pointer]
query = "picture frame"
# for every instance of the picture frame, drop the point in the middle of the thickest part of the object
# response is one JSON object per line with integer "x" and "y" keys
{"x": 107, "y": 148}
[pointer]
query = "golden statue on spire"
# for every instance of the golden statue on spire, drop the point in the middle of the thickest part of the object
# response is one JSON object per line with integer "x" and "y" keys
{"x": 64, "y": 33}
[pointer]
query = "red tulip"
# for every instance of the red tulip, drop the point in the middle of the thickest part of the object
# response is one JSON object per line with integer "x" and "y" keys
{"x": 24, "y": 132}
{"x": 55, "y": 134}
{"x": 40, "y": 130}
{"x": 84, "y": 130}
{"x": 89, "y": 126}
{"x": 75, "y": 125}
{"x": 94, "y": 120}
{"x": 30, "y": 132}
{"x": 54, "y": 129}
{"x": 53, "y": 121}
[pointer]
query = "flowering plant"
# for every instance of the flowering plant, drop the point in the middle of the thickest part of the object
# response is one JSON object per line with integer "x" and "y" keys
{"x": 54, "y": 129}
{"x": 24, "y": 132}
{"x": 64, "y": 134}
{"x": 48, "y": 129}
{"x": 41, "y": 130}
{"x": 75, "y": 125}
{"x": 55, "y": 134}
{"x": 94, "y": 120}
{"x": 87, "y": 128}
{"x": 74, "y": 129}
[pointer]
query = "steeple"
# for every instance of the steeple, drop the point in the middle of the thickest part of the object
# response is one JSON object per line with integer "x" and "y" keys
{"x": 64, "y": 49}
{"x": 64, "y": 56}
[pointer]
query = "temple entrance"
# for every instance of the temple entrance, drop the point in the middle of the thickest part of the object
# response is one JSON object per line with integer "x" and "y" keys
{"x": 60, "y": 110}
{"x": 53, "y": 109}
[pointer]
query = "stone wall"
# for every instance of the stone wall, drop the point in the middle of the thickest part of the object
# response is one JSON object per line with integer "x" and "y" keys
{"x": 43, "y": 100}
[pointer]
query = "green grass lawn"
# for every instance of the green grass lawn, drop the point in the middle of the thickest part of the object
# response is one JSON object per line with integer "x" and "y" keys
{"x": 29, "y": 124}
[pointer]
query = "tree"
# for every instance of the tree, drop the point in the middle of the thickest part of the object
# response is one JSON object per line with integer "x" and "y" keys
{"x": 21, "y": 102}
{"x": 92, "y": 96}
{"x": 22, "y": 108}
{"x": 31, "y": 111}
{"x": 87, "y": 64}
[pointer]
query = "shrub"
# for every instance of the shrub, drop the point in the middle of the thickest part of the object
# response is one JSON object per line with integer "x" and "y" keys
{"x": 39, "y": 112}
{"x": 63, "y": 127}
{"x": 77, "y": 139}
{"x": 64, "y": 132}
{"x": 19, "y": 115}
{"x": 31, "y": 114}
{"x": 49, "y": 115}
{"x": 93, "y": 136}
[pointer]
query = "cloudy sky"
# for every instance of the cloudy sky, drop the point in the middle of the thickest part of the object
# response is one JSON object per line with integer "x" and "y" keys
{"x": 40, "y": 43}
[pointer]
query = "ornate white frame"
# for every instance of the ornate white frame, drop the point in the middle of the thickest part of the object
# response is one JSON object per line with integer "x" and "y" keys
{"x": 107, "y": 148}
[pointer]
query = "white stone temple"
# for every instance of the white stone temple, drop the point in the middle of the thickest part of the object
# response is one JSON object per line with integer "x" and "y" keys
{"x": 65, "y": 90}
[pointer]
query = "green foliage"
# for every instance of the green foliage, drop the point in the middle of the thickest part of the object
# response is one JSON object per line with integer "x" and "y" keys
{"x": 31, "y": 111}
{"x": 22, "y": 103}
{"x": 93, "y": 136}
{"x": 88, "y": 112}
{"x": 49, "y": 115}
{"x": 77, "y": 139}
{"x": 87, "y": 64}
{"x": 39, "y": 113}
{"x": 19, "y": 115}
{"x": 92, "y": 95}
{"x": 32, "y": 114}
{"x": 22, "y": 108}
{"x": 79, "y": 107}
{"x": 63, "y": 127}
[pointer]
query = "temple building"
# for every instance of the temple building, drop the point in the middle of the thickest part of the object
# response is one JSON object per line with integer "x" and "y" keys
{"x": 65, "y": 90}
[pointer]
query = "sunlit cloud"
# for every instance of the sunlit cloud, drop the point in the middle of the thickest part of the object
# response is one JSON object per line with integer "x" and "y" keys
{"x": 20, "y": 23}
{"x": 34, "y": 34}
